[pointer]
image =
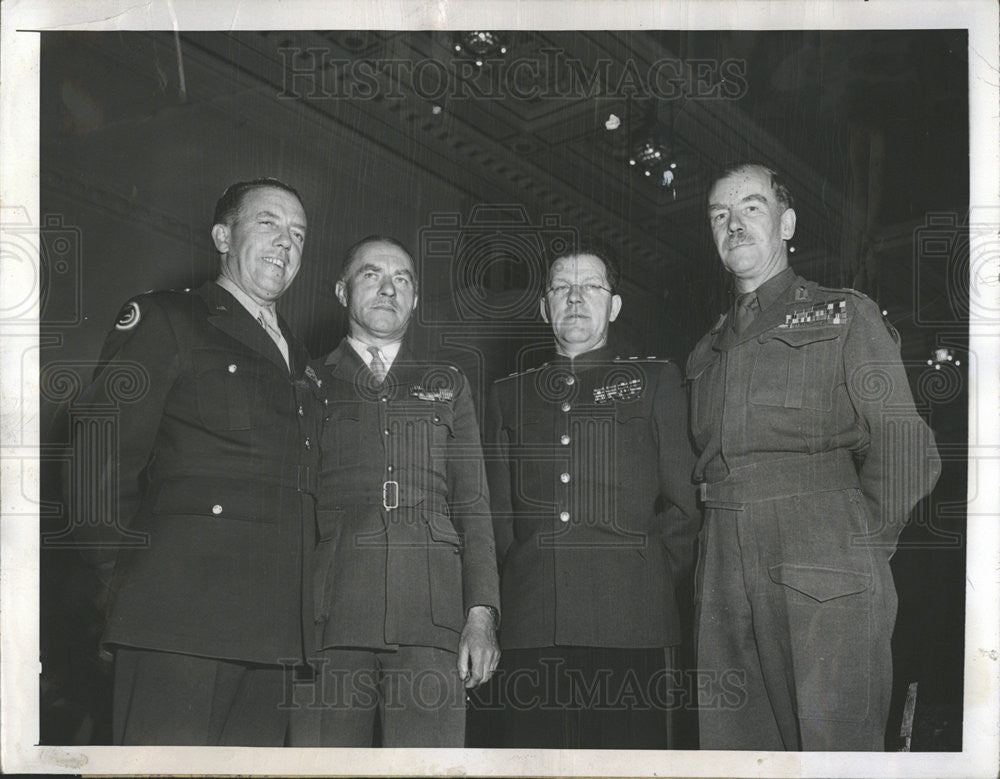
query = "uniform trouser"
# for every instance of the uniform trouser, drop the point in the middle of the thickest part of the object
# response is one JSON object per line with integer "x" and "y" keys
{"x": 164, "y": 698}
{"x": 794, "y": 615}
{"x": 587, "y": 697}
{"x": 415, "y": 691}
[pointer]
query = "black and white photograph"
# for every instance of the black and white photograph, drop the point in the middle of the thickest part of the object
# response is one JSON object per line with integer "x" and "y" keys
{"x": 512, "y": 389}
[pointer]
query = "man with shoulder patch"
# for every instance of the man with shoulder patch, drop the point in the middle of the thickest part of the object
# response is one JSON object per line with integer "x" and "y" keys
{"x": 812, "y": 456}
{"x": 215, "y": 464}
{"x": 595, "y": 519}
{"x": 406, "y": 581}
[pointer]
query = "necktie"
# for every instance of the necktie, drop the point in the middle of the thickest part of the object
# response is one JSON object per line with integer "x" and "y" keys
{"x": 269, "y": 322}
{"x": 376, "y": 365}
{"x": 746, "y": 310}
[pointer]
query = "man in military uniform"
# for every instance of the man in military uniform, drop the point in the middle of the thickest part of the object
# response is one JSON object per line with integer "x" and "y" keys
{"x": 595, "y": 519}
{"x": 811, "y": 458}
{"x": 406, "y": 587}
{"x": 216, "y": 462}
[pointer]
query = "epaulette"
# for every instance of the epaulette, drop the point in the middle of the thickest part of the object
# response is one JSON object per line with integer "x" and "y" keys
{"x": 890, "y": 328}
{"x": 647, "y": 358}
{"x": 515, "y": 374}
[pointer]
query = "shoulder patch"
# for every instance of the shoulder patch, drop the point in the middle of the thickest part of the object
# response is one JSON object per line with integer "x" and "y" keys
{"x": 129, "y": 316}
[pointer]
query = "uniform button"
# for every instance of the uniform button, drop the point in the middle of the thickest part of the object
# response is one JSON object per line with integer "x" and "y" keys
{"x": 437, "y": 418}
{"x": 570, "y": 381}
{"x": 326, "y": 401}
{"x": 564, "y": 478}
{"x": 564, "y": 439}
{"x": 216, "y": 509}
{"x": 389, "y": 468}
{"x": 566, "y": 406}
{"x": 564, "y": 516}
{"x": 386, "y": 431}
{"x": 232, "y": 367}
{"x": 384, "y": 398}
{"x": 456, "y": 550}
{"x": 302, "y": 411}
{"x": 308, "y": 443}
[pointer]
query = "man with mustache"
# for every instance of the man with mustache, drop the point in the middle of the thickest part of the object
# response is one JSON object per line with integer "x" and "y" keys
{"x": 406, "y": 586}
{"x": 595, "y": 519}
{"x": 812, "y": 456}
{"x": 216, "y": 464}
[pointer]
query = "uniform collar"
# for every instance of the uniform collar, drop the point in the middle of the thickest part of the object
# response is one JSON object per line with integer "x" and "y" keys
{"x": 599, "y": 356}
{"x": 771, "y": 290}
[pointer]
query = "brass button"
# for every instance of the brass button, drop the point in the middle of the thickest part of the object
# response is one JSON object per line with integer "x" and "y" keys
{"x": 389, "y": 468}
{"x": 564, "y": 439}
{"x": 232, "y": 367}
{"x": 564, "y": 478}
{"x": 308, "y": 443}
{"x": 216, "y": 509}
{"x": 570, "y": 381}
{"x": 564, "y": 516}
{"x": 566, "y": 406}
{"x": 386, "y": 431}
{"x": 302, "y": 411}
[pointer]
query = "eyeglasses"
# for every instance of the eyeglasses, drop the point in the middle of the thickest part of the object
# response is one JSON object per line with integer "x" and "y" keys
{"x": 561, "y": 291}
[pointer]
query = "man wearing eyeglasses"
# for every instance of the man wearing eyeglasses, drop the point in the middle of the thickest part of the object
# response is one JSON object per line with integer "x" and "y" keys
{"x": 595, "y": 518}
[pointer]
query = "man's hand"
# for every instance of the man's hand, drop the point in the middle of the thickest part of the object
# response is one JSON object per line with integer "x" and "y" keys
{"x": 478, "y": 651}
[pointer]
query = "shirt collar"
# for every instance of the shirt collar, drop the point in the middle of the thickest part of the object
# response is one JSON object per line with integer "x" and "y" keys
{"x": 245, "y": 300}
{"x": 389, "y": 351}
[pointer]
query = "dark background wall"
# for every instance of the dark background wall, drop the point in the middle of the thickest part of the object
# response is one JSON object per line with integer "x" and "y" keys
{"x": 141, "y": 132}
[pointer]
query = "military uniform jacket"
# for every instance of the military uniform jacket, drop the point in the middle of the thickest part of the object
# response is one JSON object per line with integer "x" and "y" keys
{"x": 216, "y": 462}
{"x": 406, "y": 543}
{"x": 811, "y": 397}
{"x": 593, "y": 503}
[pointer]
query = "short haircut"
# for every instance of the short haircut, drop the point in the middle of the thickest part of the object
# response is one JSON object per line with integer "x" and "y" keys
{"x": 778, "y": 186}
{"x": 228, "y": 206}
{"x": 368, "y": 240}
{"x": 596, "y": 249}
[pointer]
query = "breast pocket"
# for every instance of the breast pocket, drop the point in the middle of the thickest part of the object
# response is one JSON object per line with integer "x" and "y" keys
{"x": 341, "y": 441}
{"x": 796, "y": 368}
{"x": 229, "y": 386}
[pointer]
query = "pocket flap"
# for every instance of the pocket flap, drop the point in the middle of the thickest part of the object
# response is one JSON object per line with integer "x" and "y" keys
{"x": 441, "y": 528}
{"x": 820, "y": 584}
{"x": 797, "y": 338}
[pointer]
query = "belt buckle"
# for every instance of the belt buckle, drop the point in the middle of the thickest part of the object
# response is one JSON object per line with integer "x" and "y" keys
{"x": 390, "y": 494}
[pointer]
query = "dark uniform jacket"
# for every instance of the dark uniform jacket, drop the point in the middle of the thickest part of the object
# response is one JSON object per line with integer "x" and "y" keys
{"x": 405, "y": 539}
{"x": 593, "y": 502}
{"x": 217, "y": 462}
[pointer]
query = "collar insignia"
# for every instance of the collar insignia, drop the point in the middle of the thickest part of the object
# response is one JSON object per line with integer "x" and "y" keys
{"x": 628, "y": 389}
{"x": 832, "y": 312}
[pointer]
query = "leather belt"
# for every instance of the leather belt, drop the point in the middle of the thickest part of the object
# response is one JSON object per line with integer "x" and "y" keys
{"x": 782, "y": 478}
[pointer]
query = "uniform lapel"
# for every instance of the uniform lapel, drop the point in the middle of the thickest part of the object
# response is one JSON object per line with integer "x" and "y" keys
{"x": 228, "y": 315}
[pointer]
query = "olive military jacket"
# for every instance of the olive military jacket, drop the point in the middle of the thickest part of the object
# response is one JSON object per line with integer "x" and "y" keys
{"x": 593, "y": 504}
{"x": 405, "y": 539}
{"x": 811, "y": 397}
{"x": 216, "y": 465}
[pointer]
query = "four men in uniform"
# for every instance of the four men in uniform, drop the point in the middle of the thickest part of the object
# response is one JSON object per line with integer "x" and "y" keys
{"x": 811, "y": 456}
